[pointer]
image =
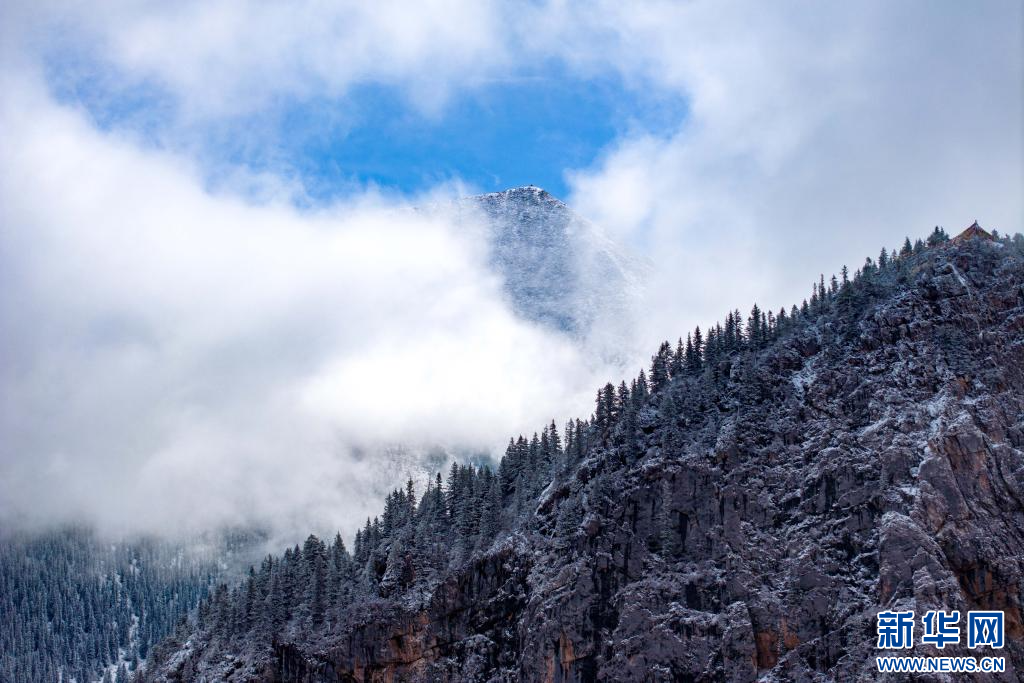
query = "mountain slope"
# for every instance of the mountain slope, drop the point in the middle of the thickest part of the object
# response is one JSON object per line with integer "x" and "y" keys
{"x": 744, "y": 519}
{"x": 73, "y": 604}
{"x": 559, "y": 269}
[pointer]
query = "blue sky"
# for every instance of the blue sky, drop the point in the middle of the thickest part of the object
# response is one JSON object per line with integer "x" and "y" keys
{"x": 506, "y": 134}
{"x": 525, "y": 129}
{"x": 201, "y": 178}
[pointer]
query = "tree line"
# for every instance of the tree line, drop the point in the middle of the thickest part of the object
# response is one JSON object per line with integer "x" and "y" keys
{"x": 74, "y": 607}
{"x": 407, "y": 548}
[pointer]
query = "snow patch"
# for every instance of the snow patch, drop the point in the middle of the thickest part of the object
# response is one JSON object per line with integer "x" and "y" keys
{"x": 803, "y": 378}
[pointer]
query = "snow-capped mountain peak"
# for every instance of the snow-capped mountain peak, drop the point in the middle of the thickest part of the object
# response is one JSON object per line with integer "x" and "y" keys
{"x": 560, "y": 269}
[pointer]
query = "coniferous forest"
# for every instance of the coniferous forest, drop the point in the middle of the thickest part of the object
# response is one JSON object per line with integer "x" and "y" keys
{"x": 421, "y": 537}
{"x": 76, "y": 606}
{"x": 501, "y": 342}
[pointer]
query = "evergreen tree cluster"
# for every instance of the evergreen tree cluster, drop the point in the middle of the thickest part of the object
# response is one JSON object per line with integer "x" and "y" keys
{"x": 736, "y": 333}
{"x": 408, "y": 545}
{"x": 76, "y": 608}
{"x": 407, "y": 549}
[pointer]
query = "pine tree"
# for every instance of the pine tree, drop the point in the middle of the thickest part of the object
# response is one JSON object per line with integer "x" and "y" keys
{"x": 570, "y": 515}
{"x": 392, "y": 580}
{"x": 533, "y": 458}
{"x": 490, "y": 521}
{"x": 473, "y": 509}
{"x": 555, "y": 442}
{"x": 642, "y": 389}
{"x": 452, "y": 493}
{"x": 580, "y": 442}
{"x": 729, "y": 341}
{"x": 712, "y": 346}
{"x": 440, "y": 512}
{"x": 545, "y": 459}
{"x": 410, "y": 500}
{"x": 698, "y": 349}
{"x": 659, "y": 367}
{"x": 508, "y": 469}
{"x": 622, "y": 400}
{"x": 938, "y": 236}
{"x": 755, "y": 333}
{"x": 688, "y": 357}
{"x": 570, "y": 441}
{"x": 678, "y": 362}
{"x": 602, "y": 411}
{"x": 613, "y": 405}
{"x": 339, "y": 575}
{"x": 630, "y": 446}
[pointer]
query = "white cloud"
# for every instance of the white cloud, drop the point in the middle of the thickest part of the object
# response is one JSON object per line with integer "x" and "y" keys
{"x": 228, "y": 58}
{"x": 152, "y": 328}
{"x": 818, "y": 133}
{"x": 178, "y": 358}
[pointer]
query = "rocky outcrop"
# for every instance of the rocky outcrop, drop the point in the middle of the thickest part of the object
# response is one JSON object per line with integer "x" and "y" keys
{"x": 871, "y": 460}
{"x": 460, "y": 633}
{"x": 560, "y": 270}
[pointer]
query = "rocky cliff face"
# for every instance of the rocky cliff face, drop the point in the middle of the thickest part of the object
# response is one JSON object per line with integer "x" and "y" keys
{"x": 872, "y": 459}
{"x": 559, "y": 269}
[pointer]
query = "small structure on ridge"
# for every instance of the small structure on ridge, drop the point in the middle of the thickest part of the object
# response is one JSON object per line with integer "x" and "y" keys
{"x": 973, "y": 231}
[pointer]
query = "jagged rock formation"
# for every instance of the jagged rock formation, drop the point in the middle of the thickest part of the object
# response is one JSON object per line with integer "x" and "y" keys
{"x": 745, "y": 522}
{"x": 559, "y": 269}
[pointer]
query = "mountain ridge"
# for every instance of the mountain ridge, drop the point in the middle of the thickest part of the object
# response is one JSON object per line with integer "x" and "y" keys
{"x": 743, "y": 515}
{"x": 558, "y": 268}
{"x": 559, "y": 271}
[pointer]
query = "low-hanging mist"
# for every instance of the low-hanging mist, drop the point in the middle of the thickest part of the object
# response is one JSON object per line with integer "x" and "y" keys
{"x": 175, "y": 355}
{"x": 176, "y": 359}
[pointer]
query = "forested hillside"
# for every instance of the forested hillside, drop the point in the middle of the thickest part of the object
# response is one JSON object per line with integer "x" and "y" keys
{"x": 74, "y": 606}
{"x": 741, "y": 508}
